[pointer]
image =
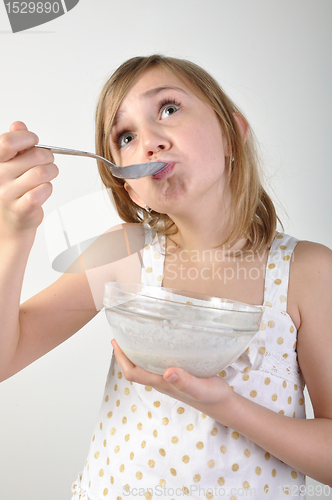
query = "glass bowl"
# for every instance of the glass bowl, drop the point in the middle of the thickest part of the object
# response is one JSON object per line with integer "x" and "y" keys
{"x": 159, "y": 327}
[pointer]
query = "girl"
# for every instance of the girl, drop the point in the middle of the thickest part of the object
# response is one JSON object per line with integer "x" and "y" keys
{"x": 243, "y": 431}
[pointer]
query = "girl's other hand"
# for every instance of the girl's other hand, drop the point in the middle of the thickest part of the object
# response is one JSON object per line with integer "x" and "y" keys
{"x": 177, "y": 383}
{"x": 25, "y": 179}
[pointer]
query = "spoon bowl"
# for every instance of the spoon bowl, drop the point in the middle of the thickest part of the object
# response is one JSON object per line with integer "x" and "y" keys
{"x": 129, "y": 172}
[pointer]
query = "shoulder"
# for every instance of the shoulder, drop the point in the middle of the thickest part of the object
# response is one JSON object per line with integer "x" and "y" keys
{"x": 310, "y": 276}
{"x": 116, "y": 255}
{"x": 134, "y": 234}
{"x": 131, "y": 226}
{"x": 125, "y": 231}
{"x": 118, "y": 242}
{"x": 312, "y": 262}
{"x": 134, "y": 227}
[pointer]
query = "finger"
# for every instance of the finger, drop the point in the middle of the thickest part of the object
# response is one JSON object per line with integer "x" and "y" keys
{"x": 121, "y": 358}
{"x": 29, "y": 180}
{"x": 18, "y": 126}
{"x": 13, "y": 142}
{"x": 200, "y": 389}
{"x": 29, "y": 158}
{"x": 182, "y": 380}
{"x": 136, "y": 374}
{"x": 31, "y": 202}
{"x": 22, "y": 162}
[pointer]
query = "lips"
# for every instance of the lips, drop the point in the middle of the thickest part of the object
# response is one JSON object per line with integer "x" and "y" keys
{"x": 165, "y": 172}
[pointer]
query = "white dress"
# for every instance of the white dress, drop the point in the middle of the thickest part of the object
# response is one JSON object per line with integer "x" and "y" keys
{"x": 148, "y": 445}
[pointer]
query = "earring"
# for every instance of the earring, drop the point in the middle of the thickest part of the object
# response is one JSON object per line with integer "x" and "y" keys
{"x": 232, "y": 158}
{"x": 147, "y": 208}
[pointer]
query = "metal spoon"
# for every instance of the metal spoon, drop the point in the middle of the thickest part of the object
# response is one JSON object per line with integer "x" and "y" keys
{"x": 129, "y": 172}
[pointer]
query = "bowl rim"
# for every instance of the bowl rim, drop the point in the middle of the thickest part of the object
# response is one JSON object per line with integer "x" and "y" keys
{"x": 253, "y": 309}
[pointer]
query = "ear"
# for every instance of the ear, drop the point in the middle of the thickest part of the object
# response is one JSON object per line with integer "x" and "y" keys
{"x": 133, "y": 195}
{"x": 242, "y": 125}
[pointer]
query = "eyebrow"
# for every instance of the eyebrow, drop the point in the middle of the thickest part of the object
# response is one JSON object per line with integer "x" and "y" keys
{"x": 154, "y": 91}
{"x": 150, "y": 93}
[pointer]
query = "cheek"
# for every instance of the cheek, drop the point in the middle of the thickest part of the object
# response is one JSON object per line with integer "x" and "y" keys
{"x": 140, "y": 186}
{"x": 136, "y": 190}
{"x": 133, "y": 184}
{"x": 208, "y": 143}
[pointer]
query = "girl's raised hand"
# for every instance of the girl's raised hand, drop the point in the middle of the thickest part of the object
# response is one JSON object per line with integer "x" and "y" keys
{"x": 177, "y": 383}
{"x": 25, "y": 179}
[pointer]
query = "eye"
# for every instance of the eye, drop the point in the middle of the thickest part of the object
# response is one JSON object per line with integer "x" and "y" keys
{"x": 169, "y": 109}
{"x": 123, "y": 139}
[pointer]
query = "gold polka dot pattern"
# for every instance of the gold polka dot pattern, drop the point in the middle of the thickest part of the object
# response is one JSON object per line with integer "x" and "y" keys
{"x": 144, "y": 437}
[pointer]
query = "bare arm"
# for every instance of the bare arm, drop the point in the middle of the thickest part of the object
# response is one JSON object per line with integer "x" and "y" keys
{"x": 49, "y": 318}
{"x": 53, "y": 315}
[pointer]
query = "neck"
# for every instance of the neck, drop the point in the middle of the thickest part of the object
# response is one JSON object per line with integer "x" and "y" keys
{"x": 203, "y": 228}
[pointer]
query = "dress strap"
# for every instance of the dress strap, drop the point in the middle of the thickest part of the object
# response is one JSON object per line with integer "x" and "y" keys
{"x": 277, "y": 271}
{"x": 153, "y": 258}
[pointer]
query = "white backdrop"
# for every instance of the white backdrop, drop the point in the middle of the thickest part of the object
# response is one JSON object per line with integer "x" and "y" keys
{"x": 273, "y": 58}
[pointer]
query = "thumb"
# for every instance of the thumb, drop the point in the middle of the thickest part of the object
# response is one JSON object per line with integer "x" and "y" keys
{"x": 207, "y": 390}
{"x": 18, "y": 126}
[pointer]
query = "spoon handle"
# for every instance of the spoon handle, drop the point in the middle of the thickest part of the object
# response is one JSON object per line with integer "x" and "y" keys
{"x": 74, "y": 152}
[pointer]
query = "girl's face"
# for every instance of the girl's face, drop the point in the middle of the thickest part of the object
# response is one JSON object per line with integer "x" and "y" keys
{"x": 160, "y": 119}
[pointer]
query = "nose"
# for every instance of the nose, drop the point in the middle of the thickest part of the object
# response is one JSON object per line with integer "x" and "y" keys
{"x": 154, "y": 140}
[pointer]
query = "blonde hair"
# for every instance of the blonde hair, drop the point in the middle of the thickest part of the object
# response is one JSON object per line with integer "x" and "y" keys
{"x": 253, "y": 215}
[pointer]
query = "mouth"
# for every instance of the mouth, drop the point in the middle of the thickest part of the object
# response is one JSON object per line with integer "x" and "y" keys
{"x": 165, "y": 171}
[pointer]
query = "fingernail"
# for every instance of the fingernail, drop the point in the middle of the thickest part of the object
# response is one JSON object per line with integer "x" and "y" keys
{"x": 172, "y": 378}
